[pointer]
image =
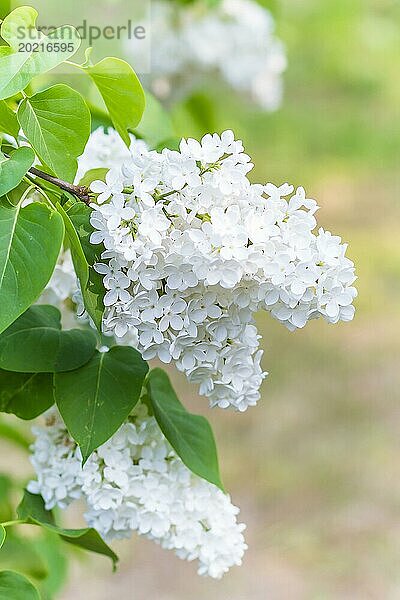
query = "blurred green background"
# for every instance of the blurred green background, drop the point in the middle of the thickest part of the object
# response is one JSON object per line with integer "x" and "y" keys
{"x": 315, "y": 467}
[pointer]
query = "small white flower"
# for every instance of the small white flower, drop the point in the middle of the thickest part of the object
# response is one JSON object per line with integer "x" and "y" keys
{"x": 111, "y": 187}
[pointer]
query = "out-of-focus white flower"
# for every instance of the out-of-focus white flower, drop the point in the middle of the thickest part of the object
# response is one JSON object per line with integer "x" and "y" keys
{"x": 235, "y": 38}
{"x": 136, "y": 483}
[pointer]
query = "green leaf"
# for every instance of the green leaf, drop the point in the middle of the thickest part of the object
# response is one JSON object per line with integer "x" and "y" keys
{"x": 8, "y": 120}
{"x": 95, "y": 400}
{"x": 14, "y": 586}
{"x": 6, "y": 509}
{"x": 91, "y": 283}
{"x": 15, "y": 195}
{"x": 100, "y": 116}
{"x": 26, "y": 395}
{"x": 52, "y": 551}
{"x": 170, "y": 143}
{"x": 87, "y": 539}
{"x": 21, "y": 554}
{"x": 122, "y": 93}
{"x": 30, "y": 242}
{"x": 3, "y": 535}
{"x": 156, "y": 125}
{"x": 5, "y": 8}
{"x": 56, "y": 122}
{"x": 17, "y": 69}
{"x": 202, "y": 110}
{"x": 93, "y": 175}
{"x": 80, "y": 214}
{"x": 34, "y": 343}
{"x": 13, "y": 169}
{"x": 190, "y": 435}
{"x": 32, "y": 511}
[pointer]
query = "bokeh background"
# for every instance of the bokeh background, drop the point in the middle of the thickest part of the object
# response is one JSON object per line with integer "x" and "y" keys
{"x": 315, "y": 467}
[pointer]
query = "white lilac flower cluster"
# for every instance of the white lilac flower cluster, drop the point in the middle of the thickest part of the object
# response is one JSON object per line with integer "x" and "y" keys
{"x": 193, "y": 250}
{"x": 136, "y": 482}
{"x": 235, "y": 38}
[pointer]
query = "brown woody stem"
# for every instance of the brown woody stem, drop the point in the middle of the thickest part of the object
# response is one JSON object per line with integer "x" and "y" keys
{"x": 80, "y": 191}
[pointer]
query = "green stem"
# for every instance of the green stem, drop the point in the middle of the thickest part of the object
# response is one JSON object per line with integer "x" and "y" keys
{"x": 162, "y": 196}
{"x": 12, "y": 523}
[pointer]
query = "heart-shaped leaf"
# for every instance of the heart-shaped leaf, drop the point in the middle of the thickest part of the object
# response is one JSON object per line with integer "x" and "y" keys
{"x": 26, "y": 395}
{"x": 56, "y": 122}
{"x": 8, "y": 120}
{"x": 32, "y": 510}
{"x": 13, "y": 169}
{"x": 95, "y": 400}
{"x": 18, "y": 68}
{"x": 30, "y": 242}
{"x": 190, "y": 435}
{"x": 122, "y": 93}
{"x": 34, "y": 343}
{"x": 14, "y": 586}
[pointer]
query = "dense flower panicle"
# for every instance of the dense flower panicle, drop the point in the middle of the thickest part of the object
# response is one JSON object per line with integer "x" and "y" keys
{"x": 135, "y": 482}
{"x": 193, "y": 250}
{"x": 236, "y": 39}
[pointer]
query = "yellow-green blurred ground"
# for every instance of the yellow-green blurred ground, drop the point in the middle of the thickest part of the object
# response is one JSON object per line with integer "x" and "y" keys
{"x": 315, "y": 467}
